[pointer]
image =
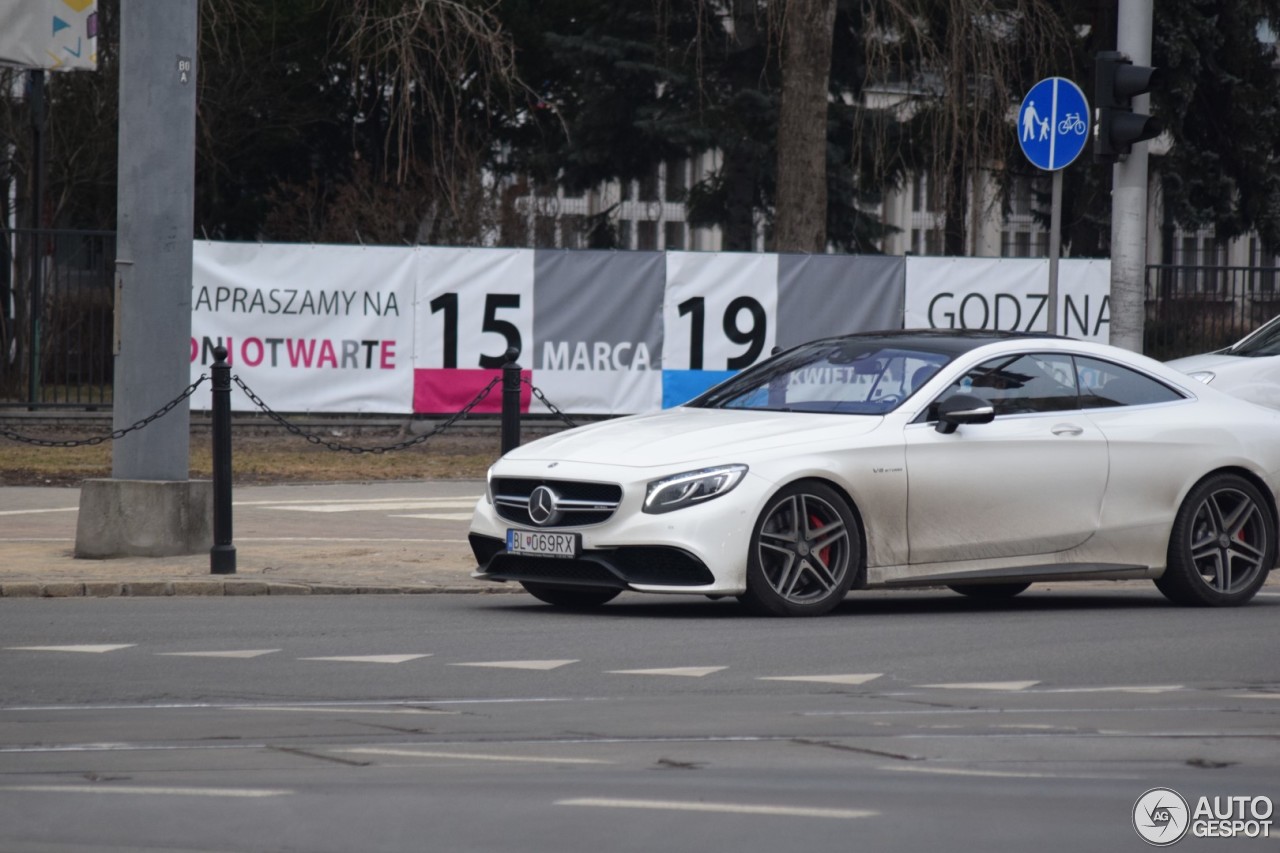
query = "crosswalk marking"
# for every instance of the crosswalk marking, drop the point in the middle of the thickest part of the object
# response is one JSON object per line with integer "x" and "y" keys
{"x": 370, "y": 502}
{"x": 1135, "y": 688}
{"x": 386, "y": 506}
{"x": 519, "y": 664}
{"x": 370, "y": 658}
{"x": 349, "y": 709}
{"x": 90, "y": 649}
{"x": 722, "y": 808}
{"x": 985, "y": 685}
{"x": 37, "y": 511}
{"x": 241, "y": 653}
{"x": 994, "y": 774}
{"x": 547, "y": 665}
{"x": 687, "y": 671}
{"x": 469, "y": 756}
{"x": 826, "y": 679}
{"x": 148, "y": 790}
{"x": 385, "y": 540}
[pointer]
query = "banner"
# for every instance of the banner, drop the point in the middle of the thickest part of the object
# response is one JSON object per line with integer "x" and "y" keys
{"x": 308, "y": 328}
{"x": 402, "y": 330}
{"x": 1009, "y": 294}
{"x": 472, "y": 306}
{"x": 598, "y": 338}
{"x": 59, "y": 35}
{"x": 717, "y": 318}
{"x": 823, "y": 295}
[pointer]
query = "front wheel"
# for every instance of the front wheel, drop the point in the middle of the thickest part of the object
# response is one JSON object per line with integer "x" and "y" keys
{"x": 1222, "y": 545}
{"x": 805, "y": 552}
{"x": 989, "y": 591}
{"x": 576, "y": 597}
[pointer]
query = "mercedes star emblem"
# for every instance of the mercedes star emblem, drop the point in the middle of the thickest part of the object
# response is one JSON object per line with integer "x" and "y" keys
{"x": 543, "y": 509}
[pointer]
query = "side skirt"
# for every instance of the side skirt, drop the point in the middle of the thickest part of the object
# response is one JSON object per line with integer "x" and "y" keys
{"x": 1030, "y": 574}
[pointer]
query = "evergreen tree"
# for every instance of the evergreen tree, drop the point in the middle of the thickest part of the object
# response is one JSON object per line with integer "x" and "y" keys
{"x": 1221, "y": 107}
{"x": 626, "y": 85}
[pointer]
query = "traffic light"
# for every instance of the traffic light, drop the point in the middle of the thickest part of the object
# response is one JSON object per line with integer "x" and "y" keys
{"x": 1116, "y": 83}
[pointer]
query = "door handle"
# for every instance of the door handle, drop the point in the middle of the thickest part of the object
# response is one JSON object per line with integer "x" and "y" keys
{"x": 1066, "y": 429}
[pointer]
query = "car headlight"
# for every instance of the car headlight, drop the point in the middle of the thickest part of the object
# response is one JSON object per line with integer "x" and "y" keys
{"x": 1205, "y": 376}
{"x": 691, "y": 487}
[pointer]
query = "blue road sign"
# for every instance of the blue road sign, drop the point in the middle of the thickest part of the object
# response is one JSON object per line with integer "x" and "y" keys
{"x": 1053, "y": 123}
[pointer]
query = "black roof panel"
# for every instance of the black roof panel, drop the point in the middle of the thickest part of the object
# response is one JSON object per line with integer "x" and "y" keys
{"x": 950, "y": 341}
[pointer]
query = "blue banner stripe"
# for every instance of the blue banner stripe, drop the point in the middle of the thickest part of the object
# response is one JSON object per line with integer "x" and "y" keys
{"x": 681, "y": 386}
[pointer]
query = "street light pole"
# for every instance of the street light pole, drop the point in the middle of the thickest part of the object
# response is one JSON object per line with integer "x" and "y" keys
{"x": 1129, "y": 196}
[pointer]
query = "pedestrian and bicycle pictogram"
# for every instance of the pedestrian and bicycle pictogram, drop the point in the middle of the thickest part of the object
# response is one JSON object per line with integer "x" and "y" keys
{"x": 1053, "y": 123}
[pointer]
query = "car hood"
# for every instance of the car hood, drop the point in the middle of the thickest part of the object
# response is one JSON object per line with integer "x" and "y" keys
{"x": 679, "y": 435}
{"x": 1206, "y": 361}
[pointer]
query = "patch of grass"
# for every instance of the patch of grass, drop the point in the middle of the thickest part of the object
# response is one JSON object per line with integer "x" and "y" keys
{"x": 258, "y": 459}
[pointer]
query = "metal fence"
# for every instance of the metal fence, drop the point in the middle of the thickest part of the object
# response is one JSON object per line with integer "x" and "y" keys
{"x": 1194, "y": 309}
{"x": 56, "y": 318}
{"x": 57, "y": 304}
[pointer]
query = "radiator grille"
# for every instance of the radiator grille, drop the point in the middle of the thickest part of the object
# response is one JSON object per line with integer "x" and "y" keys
{"x": 579, "y": 504}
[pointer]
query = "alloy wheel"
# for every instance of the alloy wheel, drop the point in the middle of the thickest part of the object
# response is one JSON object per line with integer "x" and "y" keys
{"x": 804, "y": 549}
{"x": 1229, "y": 540}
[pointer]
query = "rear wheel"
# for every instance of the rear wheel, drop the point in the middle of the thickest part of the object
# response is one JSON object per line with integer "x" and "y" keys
{"x": 579, "y": 597}
{"x": 989, "y": 591}
{"x": 1222, "y": 545}
{"x": 805, "y": 552}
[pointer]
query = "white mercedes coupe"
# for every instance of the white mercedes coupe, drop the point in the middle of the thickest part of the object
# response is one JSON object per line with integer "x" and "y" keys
{"x": 980, "y": 461}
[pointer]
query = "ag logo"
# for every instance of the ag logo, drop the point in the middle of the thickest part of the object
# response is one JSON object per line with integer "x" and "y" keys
{"x": 1161, "y": 817}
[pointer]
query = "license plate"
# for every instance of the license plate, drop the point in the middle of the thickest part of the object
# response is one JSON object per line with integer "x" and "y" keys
{"x": 536, "y": 543}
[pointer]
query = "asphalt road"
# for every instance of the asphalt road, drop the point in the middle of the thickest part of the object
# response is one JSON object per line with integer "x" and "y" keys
{"x": 904, "y": 722}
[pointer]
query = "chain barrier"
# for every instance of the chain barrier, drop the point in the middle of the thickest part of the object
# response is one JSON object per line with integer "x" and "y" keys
{"x": 120, "y": 433}
{"x": 551, "y": 407}
{"x": 284, "y": 422}
{"x": 350, "y": 448}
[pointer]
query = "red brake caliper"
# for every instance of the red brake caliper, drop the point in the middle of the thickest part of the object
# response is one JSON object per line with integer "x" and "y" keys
{"x": 815, "y": 523}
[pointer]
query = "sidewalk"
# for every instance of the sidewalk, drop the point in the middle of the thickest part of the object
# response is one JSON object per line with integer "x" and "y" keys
{"x": 342, "y": 538}
{"x": 328, "y": 539}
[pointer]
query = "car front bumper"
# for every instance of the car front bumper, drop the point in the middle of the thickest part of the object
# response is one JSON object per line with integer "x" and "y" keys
{"x": 700, "y": 549}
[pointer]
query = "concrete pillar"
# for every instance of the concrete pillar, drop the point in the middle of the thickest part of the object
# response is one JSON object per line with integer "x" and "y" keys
{"x": 152, "y": 508}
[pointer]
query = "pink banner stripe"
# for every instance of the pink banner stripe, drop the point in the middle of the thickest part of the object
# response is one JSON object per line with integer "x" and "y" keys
{"x": 447, "y": 390}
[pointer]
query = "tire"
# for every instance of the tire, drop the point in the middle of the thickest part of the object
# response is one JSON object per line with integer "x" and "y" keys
{"x": 575, "y": 597}
{"x": 1222, "y": 545}
{"x": 989, "y": 591}
{"x": 805, "y": 552}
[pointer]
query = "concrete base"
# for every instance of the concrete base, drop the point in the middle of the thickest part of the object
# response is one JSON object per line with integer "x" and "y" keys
{"x": 144, "y": 518}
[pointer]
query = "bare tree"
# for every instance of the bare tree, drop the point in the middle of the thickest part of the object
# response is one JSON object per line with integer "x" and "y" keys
{"x": 431, "y": 69}
{"x": 953, "y": 70}
{"x": 388, "y": 104}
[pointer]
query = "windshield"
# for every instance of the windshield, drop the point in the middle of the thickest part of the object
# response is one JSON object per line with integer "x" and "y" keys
{"x": 1265, "y": 341}
{"x": 855, "y": 377}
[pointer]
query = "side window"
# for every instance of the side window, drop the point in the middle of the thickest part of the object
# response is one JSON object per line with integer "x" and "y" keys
{"x": 1018, "y": 384}
{"x": 1103, "y": 385}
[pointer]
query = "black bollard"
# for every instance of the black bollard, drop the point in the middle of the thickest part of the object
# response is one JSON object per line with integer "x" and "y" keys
{"x": 222, "y": 557}
{"x": 511, "y": 402}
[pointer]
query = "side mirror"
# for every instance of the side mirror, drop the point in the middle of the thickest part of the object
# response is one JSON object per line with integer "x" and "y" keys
{"x": 963, "y": 409}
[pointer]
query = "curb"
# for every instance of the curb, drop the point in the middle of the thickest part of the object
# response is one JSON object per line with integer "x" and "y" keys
{"x": 208, "y": 588}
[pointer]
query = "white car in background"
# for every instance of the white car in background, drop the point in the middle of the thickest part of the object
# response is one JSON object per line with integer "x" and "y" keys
{"x": 981, "y": 461}
{"x": 1248, "y": 369}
